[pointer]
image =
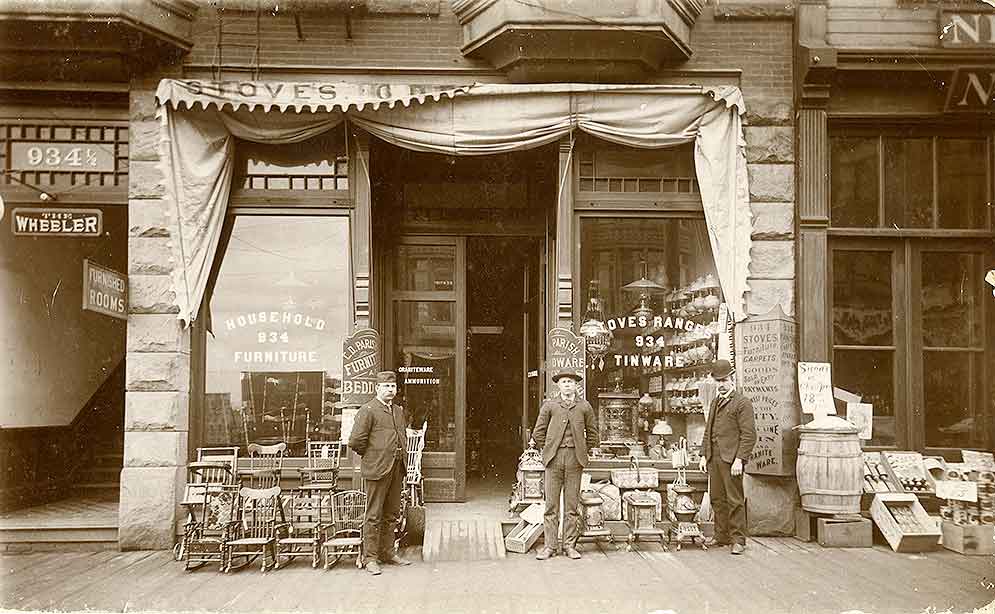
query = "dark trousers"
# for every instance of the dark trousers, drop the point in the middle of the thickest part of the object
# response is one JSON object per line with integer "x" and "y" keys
{"x": 383, "y": 510}
{"x": 726, "y": 492}
{"x": 562, "y": 474}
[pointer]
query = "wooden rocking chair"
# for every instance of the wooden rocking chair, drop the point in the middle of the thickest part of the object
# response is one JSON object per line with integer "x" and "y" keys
{"x": 345, "y": 537}
{"x": 265, "y": 465}
{"x": 253, "y": 530}
{"x": 308, "y": 517}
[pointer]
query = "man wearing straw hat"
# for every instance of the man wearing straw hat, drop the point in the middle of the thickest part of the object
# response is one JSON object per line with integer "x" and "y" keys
{"x": 565, "y": 430}
{"x": 730, "y": 435}
{"x": 378, "y": 436}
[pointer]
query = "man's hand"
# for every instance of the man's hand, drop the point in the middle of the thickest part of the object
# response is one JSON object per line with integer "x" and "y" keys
{"x": 701, "y": 463}
{"x": 737, "y": 467}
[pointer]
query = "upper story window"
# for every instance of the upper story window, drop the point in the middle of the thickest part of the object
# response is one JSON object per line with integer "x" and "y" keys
{"x": 607, "y": 168}
{"x": 317, "y": 164}
{"x": 911, "y": 179}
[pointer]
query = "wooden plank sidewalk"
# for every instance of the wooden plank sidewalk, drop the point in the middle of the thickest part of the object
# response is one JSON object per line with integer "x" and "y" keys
{"x": 775, "y": 575}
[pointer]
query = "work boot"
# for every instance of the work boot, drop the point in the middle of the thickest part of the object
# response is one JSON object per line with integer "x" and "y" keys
{"x": 394, "y": 559}
{"x": 373, "y": 568}
{"x": 738, "y": 548}
{"x": 571, "y": 553}
{"x": 544, "y": 553}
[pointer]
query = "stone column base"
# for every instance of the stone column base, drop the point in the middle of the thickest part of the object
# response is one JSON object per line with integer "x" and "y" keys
{"x": 148, "y": 509}
{"x": 770, "y": 505}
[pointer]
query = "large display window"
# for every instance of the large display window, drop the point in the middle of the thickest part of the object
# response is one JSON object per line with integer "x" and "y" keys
{"x": 652, "y": 291}
{"x": 280, "y": 312}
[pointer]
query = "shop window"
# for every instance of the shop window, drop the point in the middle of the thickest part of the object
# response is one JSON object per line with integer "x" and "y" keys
{"x": 318, "y": 164}
{"x": 280, "y": 313}
{"x": 616, "y": 169}
{"x": 864, "y": 335}
{"x": 963, "y": 187}
{"x": 953, "y": 346}
{"x": 652, "y": 284}
{"x": 854, "y": 181}
{"x": 910, "y": 179}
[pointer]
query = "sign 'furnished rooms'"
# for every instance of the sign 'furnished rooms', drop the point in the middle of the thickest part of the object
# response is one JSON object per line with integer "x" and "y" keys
{"x": 765, "y": 367}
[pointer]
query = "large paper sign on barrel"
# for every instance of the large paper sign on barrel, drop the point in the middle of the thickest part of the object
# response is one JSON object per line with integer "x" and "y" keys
{"x": 565, "y": 351}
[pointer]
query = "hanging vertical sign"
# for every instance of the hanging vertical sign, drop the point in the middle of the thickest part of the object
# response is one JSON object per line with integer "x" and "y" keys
{"x": 105, "y": 291}
{"x": 360, "y": 364}
{"x": 564, "y": 352}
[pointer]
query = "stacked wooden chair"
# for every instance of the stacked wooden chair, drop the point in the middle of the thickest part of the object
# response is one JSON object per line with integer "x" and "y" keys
{"x": 208, "y": 498}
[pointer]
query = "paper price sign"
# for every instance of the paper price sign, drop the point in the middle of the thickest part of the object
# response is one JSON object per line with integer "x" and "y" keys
{"x": 958, "y": 490}
{"x": 862, "y": 416}
{"x": 979, "y": 461}
{"x": 815, "y": 388}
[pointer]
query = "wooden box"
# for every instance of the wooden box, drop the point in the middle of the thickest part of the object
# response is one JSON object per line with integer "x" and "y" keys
{"x": 522, "y": 537}
{"x": 972, "y": 539}
{"x": 904, "y": 523}
{"x": 845, "y": 533}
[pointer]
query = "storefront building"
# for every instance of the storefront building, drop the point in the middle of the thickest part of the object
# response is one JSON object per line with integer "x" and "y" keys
{"x": 66, "y": 147}
{"x": 463, "y": 178}
{"x": 895, "y": 215}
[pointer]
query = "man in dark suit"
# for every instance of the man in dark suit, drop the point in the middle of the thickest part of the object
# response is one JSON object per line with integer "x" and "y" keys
{"x": 730, "y": 435}
{"x": 564, "y": 431}
{"x": 378, "y": 436}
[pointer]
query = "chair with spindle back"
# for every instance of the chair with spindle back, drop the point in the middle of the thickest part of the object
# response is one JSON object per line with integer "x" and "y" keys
{"x": 321, "y": 466}
{"x": 265, "y": 465}
{"x": 214, "y": 469}
{"x": 253, "y": 530}
{"x": 345, "y": 536}
{"x": 308, "y": 516}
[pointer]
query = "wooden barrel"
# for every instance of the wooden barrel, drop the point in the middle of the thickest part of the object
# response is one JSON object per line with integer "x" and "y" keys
{"x": 830, "y": 466}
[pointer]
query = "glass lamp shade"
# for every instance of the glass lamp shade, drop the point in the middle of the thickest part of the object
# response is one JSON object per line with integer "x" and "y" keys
{"x": 643, "y": 310}
{"x": 597, "y": 337}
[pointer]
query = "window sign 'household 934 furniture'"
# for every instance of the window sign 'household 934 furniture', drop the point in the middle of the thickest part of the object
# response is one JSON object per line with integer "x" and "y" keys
{"x": 279, "y": 312}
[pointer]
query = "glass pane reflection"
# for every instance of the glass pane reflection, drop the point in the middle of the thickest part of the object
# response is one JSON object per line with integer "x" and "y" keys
{"x": 862, "y": 298}
{"x": 870, "y": 373}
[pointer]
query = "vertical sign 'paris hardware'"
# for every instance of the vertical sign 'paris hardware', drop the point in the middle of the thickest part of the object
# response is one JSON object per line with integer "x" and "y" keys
{"x": 565, "y": 351}
{"x": 765, "y": 372}
{"x": 105, "y": 291}
{"x": 360, "y": 364}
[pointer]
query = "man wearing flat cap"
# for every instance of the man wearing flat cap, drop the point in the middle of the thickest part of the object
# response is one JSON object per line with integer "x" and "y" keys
{"x": 565, "y": 430}
{"x": 729, "y": 438}
{"x": 378, "y": 436}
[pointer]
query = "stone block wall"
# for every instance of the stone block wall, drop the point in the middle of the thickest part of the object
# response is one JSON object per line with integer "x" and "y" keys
{"x": 157, "y": 401}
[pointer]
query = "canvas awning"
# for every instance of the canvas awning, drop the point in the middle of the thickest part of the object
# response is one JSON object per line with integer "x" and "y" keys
{"x": 200, "y": 118}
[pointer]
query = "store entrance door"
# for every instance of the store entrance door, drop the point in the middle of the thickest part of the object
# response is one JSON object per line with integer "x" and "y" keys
{"x": 465, "y": 336}
{"x": 503, "y": 318}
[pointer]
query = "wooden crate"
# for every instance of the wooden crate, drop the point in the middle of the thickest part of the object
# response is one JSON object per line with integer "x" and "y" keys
{"x": 522, "y": 537}
{"x": 972, "y": 540}
{"x": 845, "y": 533}
{"x": 891, "y": 510}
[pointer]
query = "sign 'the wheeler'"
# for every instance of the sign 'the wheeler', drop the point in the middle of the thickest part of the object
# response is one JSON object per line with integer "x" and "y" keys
{"x": 56, "y": 222}
{"x": 105, "y": 291}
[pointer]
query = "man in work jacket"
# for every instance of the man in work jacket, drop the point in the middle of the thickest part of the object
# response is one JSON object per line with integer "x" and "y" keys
{"x": 378, "y": 436}
{"x": 729, "y": 438}
{"x": 564, "y": 431}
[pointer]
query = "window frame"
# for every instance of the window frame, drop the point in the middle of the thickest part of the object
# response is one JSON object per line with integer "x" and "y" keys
{"x": 933, "y": 131}
{"x": 248, "y": 207}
